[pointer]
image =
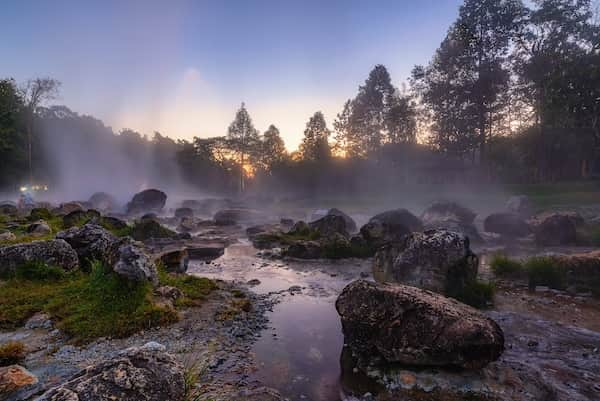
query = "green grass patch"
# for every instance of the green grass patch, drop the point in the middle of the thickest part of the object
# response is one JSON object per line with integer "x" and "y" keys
{"x": 195, "y": 289}
{"x": 477, "y": 294}
{"x": 503, "y": 266}
{"x": 146, "y": 229}
{"x": 11, "y": 353}
{"x": 36, "y": 271}
{"x": 543, "y": 270}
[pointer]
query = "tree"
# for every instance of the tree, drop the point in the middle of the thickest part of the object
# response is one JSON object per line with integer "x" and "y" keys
{"x": 35, "y": 93}
{"x": 315, "y": 144}
{"x": 12, "y": 139}
{"x": 272, "y": 148}
{"x": 243, "y": 141}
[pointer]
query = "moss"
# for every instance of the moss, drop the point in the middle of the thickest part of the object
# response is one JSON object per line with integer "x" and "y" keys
{"x": 11, "y": 353}
{"x": 146, "y": 229}
{"x": 501, "y": 265}
{"x": 40, "y": 213}
{"x": 36, "y": 271}
{"x": 237, "y": 306}
{"x": 85, "y": 306}
{"x": 544, "y": 270}
{"x": 194, "y": 289}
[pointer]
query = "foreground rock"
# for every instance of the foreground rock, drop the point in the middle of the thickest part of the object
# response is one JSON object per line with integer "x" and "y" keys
{"x": 390, "y": 226}
{"x": 395, "y": 324}
{"x": 435, "y": 260}
{"x": 13, "y": 378}
{"x": 508, "y": 225}
{"x": 330, "y": 225}
{"x": 145, "y": 373}
{"x": 90, "y": 241}
{"x": 52, "y": 252}
{"x": 150, "y": 200}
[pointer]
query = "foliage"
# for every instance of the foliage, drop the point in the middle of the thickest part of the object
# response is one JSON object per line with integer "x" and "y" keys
{"x": 195, "y": 289}
{"x": 501, "y": 265}
{"x": 477, "y": 294}
{"x": 11, "y": 352}
{"x": 543, "y": 270}
{"x": 315, "y": 145}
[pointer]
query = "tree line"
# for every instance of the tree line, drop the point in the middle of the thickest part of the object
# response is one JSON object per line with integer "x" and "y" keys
{"x": 511, "y": 94}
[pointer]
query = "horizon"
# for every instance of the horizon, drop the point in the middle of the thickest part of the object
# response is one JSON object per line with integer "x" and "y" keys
{"x": 174, "y": 69}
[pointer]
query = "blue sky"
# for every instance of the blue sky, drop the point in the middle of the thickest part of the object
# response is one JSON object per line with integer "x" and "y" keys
{"x": 184, "y": 67}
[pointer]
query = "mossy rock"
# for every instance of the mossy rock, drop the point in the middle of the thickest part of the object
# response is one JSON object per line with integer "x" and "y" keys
{"x": 40, "y": 213}
{"x": 80, "y": 217}
{"x": 146, "y": 229}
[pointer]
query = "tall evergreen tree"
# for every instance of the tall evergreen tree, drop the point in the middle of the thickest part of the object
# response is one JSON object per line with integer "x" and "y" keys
{"x": 315, "y": 144}
{"x": 243, "y": 140}
{"x": 272, "y": 148}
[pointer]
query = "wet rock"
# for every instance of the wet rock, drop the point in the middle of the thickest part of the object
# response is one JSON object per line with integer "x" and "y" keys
{"x": 113, "y": 223}
{"x": 90, "y": 241}
{"x": 520, "y": 205}
{"x": 303, "y": 249}
{"x": 509, "y": 225}
{"x": 102, "y": 201}
{"x": 205, "y": 251}
{"x": 350, "y": 223}
{"x": 435, "y": 260}
{"x": 330, "y": 225}
{"x": 13, "y": 378}
{"x": 52, "y": 252}
{"x": 175, "y": 261}
{"x": 150, "y": 200}
{"x": 556, "y": 229}
{"x": 7, "y": 236}
{"x": 146, "y": 229}
{"x": 39, "y": 229}
{"x": 447, "y": 210}
{"x": 79, "y": 217}
{"x": 68, "y": 207}
{"x": 253, "y": 282}
{"x": 385, "y": 324}
{"x": 131, "y": 262}
{"x": 184, "y": 212}
{"x": 228, "y": 217}
{"x": 390, "y": 226}
{"x": 144, "y": 373}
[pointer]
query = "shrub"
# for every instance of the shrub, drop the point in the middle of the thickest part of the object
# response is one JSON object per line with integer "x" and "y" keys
{"x": 543, "y": 270}
{"x": 477, "y": 294}
{"x": 11, "y": 353}
{"x": 501, "y": 265}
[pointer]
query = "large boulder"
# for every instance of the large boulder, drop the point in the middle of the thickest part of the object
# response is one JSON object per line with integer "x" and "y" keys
{"x": 142, "y": 373}
{"x": 90, "y": 241}
{"x": 39, "y": 229}
{"x": 68, "y": 207}
{"x": 435, "y": 260}
{"x": 390, "y": 226}
{"x": 146, "y": 229}
{"x": 184, "y": 212}
{"x": 556, "y": 229}
{"x": 79, "y": 217}
{"x": 520, "y": 204}
{"x": 330, "y": 225}
{"x": 508, "y": 225}
{"x": 102, "y": 201}
{"x": 52, "y": 252}
{"x": 131, "y": 262}
{"x": 447, "y": 210}
{"x": 150, "y": 200}
{"x": 350, "y": 223}
{"x": 396, "y": 324}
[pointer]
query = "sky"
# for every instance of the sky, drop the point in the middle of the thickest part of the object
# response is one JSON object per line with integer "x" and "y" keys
{"x": 183, "y": 67}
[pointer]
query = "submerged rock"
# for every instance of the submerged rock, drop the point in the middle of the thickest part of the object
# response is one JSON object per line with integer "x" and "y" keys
{"x": 396, "y": 324}
{"x": 508, "y": 225}
{"x": 145, "y": 373}
{"x": 52, "y": 252}
{"x": 390, "y": 226}
{"x": 435, "y": 260}
{"x": 150, "y": 200}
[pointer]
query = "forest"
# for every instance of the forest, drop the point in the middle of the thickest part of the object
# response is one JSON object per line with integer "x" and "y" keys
{"x": 511, "y": 95}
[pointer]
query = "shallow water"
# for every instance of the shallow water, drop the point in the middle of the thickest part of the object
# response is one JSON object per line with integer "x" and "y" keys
{"x": 299, "y": 354}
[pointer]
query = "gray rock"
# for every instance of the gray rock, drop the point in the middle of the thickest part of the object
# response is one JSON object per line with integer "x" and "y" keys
{"x": 144, "y": 373}
{"x": 7, "y": 236}
{"x": 90, "y": 241}
{"x": 39, "y": 229}
{"x": 131, "y": 262}
{"x": 102, "y": 201}
{"x": 447, "y": 210}
{"x": 508, "y": 225}
{"x": 52, "y": 252}
{"x": 385, "y": 324}
{"x": 184, "y": 212}
{"x": 390, "y": 226}
{"x": 330, "y": 225}
{"x": 435, "y": 260}
{"x": 150, "y": 200}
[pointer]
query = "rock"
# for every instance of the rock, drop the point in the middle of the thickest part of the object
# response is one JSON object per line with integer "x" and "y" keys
{"x": 131, "y": 262}
{"x": 467, "y": 229}
{"x": 556, "y": 229}
{"x": 112, "y": 223}
{"x": 39, "y": 213}
{"x": 52, "y": 252}
{"x": 184, "y": 212}
{"x": 150, "y": 200}
{"x": 146, "y": 229}
{"x": 385, "y": 324}
{"x": 68, "y": 207}
{"x": 228, "y": 217}
{"x": 205, "y": 252}
{"x": 144, "y": 373}
{"x": 175, "y": 261}
{"x": 580, "y": 271}
{"x": 39, "y": 321}
{"x": 390, "y": 226}
{"x": 79, "y": 217}
{"x": 102, "y": 201}
{"x": 350, "y": 223}
{"x": 253, "y": 282}
{"x": 90, "y": 241}
{"x": 330, "y": 225}
{"x": 171, "y": 293}
{"x": 8, "y": 208}
{"x": 303, "y": 249}
{"x": 286, "y": 222}
{"x": 301, "y": 228}
{"x": 435, "y": 260}
{"x": 39, "y": 229}
{"x": 13, "y": 378}
{"x": 520, "y": 205}
{"x": 509, "y": 225}
{"x": 447, "y": 210}
{"x": 7, "y": 236}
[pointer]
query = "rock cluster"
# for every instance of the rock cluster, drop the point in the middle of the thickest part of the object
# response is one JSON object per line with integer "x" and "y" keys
{"x": 52, "y": 252}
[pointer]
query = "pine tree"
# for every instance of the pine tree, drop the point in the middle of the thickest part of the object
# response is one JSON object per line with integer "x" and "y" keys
{"x": 243, "y": 140}
{"x": 315, "y": 144}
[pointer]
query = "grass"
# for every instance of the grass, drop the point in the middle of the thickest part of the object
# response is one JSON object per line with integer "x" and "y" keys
{"x": 543, "y": 270}
{"x": 87, "y": 306}
{"x": 544, "y": 196}
{"x": 11, "y": 353}
{"x": 503, "y": 266}
{"x": 146, "y": 229}
{"x": 477, "y": 294}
